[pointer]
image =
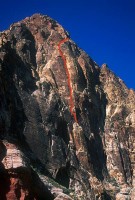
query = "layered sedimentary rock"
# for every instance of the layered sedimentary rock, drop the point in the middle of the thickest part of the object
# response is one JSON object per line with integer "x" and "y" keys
{"x": 44, "y": 152}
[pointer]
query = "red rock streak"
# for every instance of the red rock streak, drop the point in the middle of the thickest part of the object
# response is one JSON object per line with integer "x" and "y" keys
{"x": 68, "y": 79}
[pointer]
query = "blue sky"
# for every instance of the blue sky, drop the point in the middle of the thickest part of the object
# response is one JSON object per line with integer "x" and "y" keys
{"x": 105, "y": 29}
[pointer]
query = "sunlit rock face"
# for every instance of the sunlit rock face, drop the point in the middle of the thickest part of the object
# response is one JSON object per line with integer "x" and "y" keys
{"x": 44, "y": 153}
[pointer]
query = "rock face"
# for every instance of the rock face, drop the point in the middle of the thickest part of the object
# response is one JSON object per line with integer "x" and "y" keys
{"x": 44, "y": 152}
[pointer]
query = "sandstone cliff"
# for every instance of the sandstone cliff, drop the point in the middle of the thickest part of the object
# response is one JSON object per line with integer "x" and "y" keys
{"x": 50, "y": 149}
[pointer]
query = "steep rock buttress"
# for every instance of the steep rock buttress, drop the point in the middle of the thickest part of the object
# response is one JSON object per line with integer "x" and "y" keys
{"x": 79, "y": 151}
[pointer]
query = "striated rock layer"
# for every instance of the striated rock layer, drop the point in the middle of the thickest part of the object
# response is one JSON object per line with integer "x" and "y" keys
{"x": 44, "y": 152}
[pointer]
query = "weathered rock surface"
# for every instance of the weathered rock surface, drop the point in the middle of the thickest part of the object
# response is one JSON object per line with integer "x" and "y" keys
{"x": 44, "y": 153}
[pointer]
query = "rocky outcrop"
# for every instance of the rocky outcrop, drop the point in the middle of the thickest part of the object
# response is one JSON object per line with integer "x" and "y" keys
{"x": 66, "y": 125}
{"x": 119, "y": 132}
{"x": 17, "y": 178}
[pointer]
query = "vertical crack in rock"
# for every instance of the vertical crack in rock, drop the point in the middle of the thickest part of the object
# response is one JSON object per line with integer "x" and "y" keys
{"x": 71, "y": 103}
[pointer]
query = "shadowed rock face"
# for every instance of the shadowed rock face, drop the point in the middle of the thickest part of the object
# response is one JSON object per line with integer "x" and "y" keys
{"x": 61, "y": 159}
